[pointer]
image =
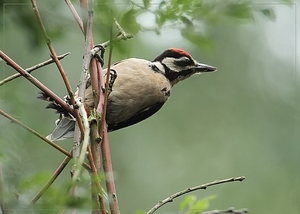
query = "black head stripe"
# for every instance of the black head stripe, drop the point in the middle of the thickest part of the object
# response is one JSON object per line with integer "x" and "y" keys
{"x": 173, "y": 75}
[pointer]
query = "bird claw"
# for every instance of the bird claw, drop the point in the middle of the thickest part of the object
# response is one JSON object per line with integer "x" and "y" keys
{"x": 100, "y": 57}
{"x": 113, "y": 77}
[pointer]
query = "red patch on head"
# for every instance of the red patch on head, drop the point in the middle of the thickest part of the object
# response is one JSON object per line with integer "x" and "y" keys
{"x": 181, "y": 52}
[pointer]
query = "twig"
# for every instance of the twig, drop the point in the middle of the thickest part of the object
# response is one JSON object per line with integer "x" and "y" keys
{"x": 51, "y": 180}
{"x": 75, "y": 15}
{"x": 123, "y": 33}
{"x": 86, "y": 139}
{"x": 90, "y": 63}
{"x": 58, "y": 64}
{"x": 121, "y": 36}
{"x": 229, "y": 210}
{"x": 12, "y": 119}
{"x": 191, "y": 189}
{"x": 107, "y": 162}
{"x": 35, "y": 82}
{"x": 99, "y": 194}
{"x": 35, "y": 67}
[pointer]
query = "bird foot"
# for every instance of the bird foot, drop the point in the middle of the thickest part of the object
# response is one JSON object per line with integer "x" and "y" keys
{"x": 100, "y": 57}
{"x": 113, "y": 76}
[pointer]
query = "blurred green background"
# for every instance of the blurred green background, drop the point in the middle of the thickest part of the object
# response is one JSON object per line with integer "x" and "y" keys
{"x": 241, "y": 120}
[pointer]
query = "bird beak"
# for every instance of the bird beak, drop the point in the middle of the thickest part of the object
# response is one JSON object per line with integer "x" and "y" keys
{"x": 204, "y": 68}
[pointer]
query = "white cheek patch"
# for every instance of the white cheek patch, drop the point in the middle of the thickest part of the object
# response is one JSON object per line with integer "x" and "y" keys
{"x": 159, "y": 66}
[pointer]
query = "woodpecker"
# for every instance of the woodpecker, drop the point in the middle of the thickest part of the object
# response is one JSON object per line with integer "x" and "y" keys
{"x": 140, "y": 89}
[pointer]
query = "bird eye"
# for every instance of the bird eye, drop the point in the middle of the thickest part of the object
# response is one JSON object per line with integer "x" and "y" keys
{"x": 187, "y": 60}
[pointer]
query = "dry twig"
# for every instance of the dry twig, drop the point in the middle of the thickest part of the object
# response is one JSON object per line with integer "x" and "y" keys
{"x": 33, "y": 68}
{"x": 191, "y": 189}
{"x": 229, "y": 210}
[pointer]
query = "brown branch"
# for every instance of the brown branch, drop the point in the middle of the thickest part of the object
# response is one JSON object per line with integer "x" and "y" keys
{"x": 33, "y": 68}
{"x": 110, "y": 183}
{"x": 75, "y": 15}
{"x": 51, "y": 180}
{"x": 107, "y": 162}
{"x": 35, "y": 82}
{"x": 36, "y": 133}
{"x": 191, "y": 189}
{"x": 98, "y": 195}
{"x": 58, "y": 64}
{"x": 12, "y": 119}
{"x": 89, "y": 64}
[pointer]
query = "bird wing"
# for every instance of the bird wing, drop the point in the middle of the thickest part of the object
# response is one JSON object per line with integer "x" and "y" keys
{"x": 139, "y": 116}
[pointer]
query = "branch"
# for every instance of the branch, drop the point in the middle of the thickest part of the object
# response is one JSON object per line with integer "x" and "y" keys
{"x": 229, "y": 210}
{"x": 121, "y": 36}
{"x": 107, "y": 162}
{"x": 89, "y": 64}
{"x": 36, "y": 82}
{"x": 12, "y": 119}
{"x": 75, "y": 15}
{"x": 58, "y": 64}
{"x": 35, "y": 67}
{"x": 51, "y": 180}
{"x": 85, "y": 140}
{"x": 35, "y": 133}
{"x": 191, "y": 189}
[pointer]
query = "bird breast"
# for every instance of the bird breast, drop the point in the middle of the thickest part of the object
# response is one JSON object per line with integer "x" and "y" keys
{"x": 136, "y": 88}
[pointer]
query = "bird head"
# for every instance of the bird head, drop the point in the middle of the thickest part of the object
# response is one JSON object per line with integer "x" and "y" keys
{"x": 177, "y": 64}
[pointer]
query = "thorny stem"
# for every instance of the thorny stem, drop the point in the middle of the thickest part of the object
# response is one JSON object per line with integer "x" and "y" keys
{"x": 33, "y": 68}
{"x": 191, "y": 189}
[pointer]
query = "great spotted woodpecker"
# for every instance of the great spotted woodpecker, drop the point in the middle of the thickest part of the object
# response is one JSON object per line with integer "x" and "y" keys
{"x": 140, "y": 89}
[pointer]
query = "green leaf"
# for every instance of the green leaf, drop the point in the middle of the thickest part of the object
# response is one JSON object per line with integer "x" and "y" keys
{"x": 187, "y": 202}
{"x": 269, "y": 13}
{"x": 188, "y": 23}
{"x": 128, "y": 22}
{"x": 240, "y": 11}
{"x": 146, "y": 3}
{"x": 141, "y": 212}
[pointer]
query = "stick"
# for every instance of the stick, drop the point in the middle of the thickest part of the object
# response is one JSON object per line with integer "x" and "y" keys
{"x": 191, "y": 189}
{"x": 33, "y": 68}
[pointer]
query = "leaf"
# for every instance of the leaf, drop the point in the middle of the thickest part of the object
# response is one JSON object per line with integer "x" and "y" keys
{"x": 202, "y": 41}
{"x": 146, "y": 3}
{"x": 128, "y": 22}
{"x": 201, "y": 205}
{"x": 269, "y": 13}
{"x": 188, "y": 23}
{"x": 141, "y": 212}
{"x": 187, "y": 202}
{"x": 240, "y": 11}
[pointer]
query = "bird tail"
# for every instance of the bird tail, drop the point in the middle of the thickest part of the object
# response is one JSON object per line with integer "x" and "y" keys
{"x": 64, "y": 129}
{"x": 65, "y": 125}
